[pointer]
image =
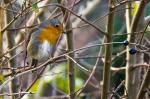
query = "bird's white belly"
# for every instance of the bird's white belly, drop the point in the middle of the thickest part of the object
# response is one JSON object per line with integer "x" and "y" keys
{"x": 45, "y": 50}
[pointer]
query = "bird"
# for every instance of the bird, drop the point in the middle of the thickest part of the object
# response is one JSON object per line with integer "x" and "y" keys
{"x": 43, "y": 39}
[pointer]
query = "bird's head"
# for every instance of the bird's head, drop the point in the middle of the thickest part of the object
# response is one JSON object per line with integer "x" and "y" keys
{"x": 51, "y": 29}
{"x": 53, "y": 25}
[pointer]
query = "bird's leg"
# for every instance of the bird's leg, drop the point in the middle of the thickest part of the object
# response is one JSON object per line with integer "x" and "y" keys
{"x": 34, "y": 62}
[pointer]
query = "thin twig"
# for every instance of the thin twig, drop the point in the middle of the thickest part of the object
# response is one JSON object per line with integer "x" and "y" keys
{"x": 114, "y": 92}
{"x": 55, "y": 4}
{"x": 145, "y": 83}
{"x": 91, "y": 74}
{"x": 81, "y": 67}
{"x": 12, "y": 94}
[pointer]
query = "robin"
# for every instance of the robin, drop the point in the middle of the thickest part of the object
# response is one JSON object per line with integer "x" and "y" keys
{"x": 43, "y": 40}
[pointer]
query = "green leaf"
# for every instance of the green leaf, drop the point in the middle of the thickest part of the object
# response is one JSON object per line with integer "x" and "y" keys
{"x": 135, "y": 7}
{"x": 35, "y": 7}
{"x": 35, "y": 87}
{"x": 62, "y": 83}
{"x": 59, "y": 1}
{"x": 1, "y": 78}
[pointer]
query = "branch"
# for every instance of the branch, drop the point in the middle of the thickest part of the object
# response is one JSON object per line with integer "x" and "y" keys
{"x": 78, "y": 16}
{"x": 108, "y": 53}
{"x": 144, "y": 84}
{"x": 91, "y": 74}
{"x": 115, "y": 92}
{"x": 131, "y": 59}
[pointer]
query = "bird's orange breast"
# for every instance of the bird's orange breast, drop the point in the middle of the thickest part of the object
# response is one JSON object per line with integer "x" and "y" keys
{"x": 50, "y": 34}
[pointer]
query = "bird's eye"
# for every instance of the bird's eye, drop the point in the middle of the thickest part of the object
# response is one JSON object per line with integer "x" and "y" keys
{"x": 56, "y": 25}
